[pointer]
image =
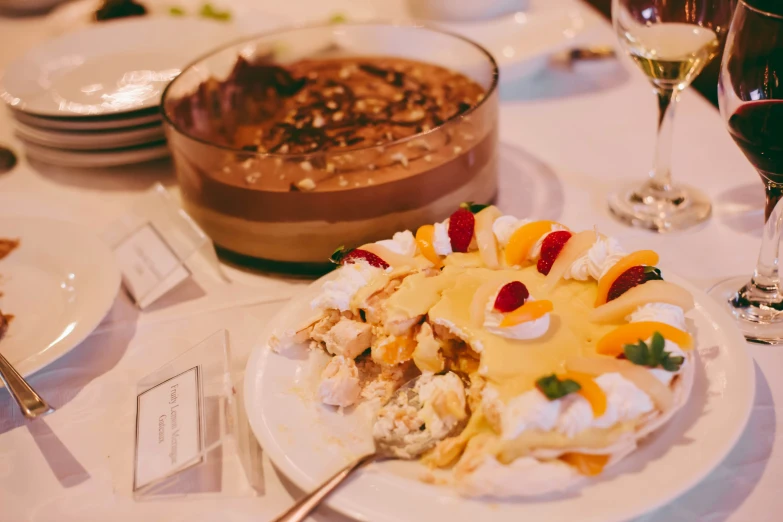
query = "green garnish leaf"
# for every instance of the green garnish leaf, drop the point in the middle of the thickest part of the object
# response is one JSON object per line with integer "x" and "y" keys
{"x": 653, "y": 355}
{"x": 473, "y": 207}
{"x": 338, "y": 255}
{"x": 209, "y": 11}
{"x": 338, "y": 18}
{"x": 554, "y": 388}
{"x": 656, "y": 348}
{"x": 652, "y": 273}
{"x": 637, "y": 353}
{"x": 672, "y": 363}
{"x": 176, "y": 11}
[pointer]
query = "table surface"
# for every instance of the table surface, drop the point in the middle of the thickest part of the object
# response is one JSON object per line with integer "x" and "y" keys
{"x": 568, "y": 136}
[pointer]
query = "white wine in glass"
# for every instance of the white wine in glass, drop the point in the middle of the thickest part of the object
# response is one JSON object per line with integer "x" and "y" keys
{"x": 672, "y": 55}
{"x": 671, "y": 41}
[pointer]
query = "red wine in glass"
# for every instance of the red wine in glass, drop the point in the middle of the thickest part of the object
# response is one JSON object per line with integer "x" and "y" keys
{"x": 757, "y": 127}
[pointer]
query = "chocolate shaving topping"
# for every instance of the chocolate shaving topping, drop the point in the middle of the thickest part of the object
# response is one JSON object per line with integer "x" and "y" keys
{"x": 316, "y": 105}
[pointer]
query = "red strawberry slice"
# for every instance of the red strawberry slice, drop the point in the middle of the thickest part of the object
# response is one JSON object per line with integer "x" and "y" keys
{"x": 511, "y": 296}
{"x": 550, "y": 249}
{"x": 461, "y": 224}
{"x": 341, "y": 256}
{"x": 634, "y": 276}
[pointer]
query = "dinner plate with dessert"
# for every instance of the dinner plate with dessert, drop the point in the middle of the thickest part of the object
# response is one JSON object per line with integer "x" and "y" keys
{"x": 57, "y": 282}
{"x": 591, "y": 383}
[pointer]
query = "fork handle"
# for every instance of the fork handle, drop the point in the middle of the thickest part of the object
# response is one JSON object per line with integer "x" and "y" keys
{"x": 32, "y": 404}
{"x": 300, "y": 510}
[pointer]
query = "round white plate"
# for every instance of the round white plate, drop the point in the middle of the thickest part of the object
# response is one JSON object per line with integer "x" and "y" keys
{"x": 523, "y": 42}
{"x": 90, "y": 140}
{"x": 96, "y": 159}
{"x": 59, "y": 284}
{"x": 309, "y": 442}
{"x": 118, "y": 122}
{"x": 108, "y": 69}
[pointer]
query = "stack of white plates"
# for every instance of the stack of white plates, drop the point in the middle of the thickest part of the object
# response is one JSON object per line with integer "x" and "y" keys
{"x": 91, "y": 98}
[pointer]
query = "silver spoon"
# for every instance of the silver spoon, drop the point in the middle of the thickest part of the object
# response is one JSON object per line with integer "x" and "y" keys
{"x": 7, "y": 159}
{"x": 384, "y": 449}
{"x": 31, "y": 404}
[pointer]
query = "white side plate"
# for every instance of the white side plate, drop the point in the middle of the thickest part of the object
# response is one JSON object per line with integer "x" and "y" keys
{"x": 118, "y": 122}
{"x": 59, "y": 284}
{"x": 96, "y": 159}
{"x": 111, "y": 68}
{"x": 90, "y": 140}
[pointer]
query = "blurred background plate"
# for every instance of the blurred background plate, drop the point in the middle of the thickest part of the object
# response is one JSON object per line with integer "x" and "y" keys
{"x": 523, "y": 42}
{"x": 126, "y": 121}
{"x": 90, "y": 140}
{"x": 95, "y": 159}
{"x": 111, "y": 68}
{"x": 244, "y": 16}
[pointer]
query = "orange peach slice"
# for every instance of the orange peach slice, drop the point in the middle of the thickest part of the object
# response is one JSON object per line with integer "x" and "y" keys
{"x": 650, "y": 292}
{"x": 425, "y": 241}
{"x": 660, "y": 394}
{"x": 523, "y": 239}
{"x": 590, "y": 391}
{"x": 589, "y": 465}
{"x": 529, "y": 311}
{"x": 573, "y": 249}
{"x": 394, "y": 351}
{"x": 641, "y": 257}
{"x": 613, "y": 343}
{"x": 485, "y": 237}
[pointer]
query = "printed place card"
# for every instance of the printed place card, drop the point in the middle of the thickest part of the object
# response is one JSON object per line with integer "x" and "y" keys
{"x": 168, "y": 428}
{"x": 149, "y": 266}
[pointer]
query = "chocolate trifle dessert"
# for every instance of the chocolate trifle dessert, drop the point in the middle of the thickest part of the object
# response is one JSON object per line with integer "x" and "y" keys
{"x": 282, "y": 162}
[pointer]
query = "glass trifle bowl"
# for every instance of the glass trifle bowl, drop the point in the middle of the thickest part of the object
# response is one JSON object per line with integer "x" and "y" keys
{"x": 290, "y": 144}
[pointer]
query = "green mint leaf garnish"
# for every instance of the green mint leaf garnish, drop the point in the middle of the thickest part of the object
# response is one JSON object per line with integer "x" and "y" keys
{"x": 473, "y": 207}
{"x": 176, "y": 11}
{"x": 672, "y": 363}
{"x": 656, "y": 349}
{"x": 338, "y": 18}
{"x": 653, "y": 355}
{"x": 652, "y": 273}
{"x": 637, "y": 353}
{"x": 338, "y": 255}
{"x": 554, "y": 388}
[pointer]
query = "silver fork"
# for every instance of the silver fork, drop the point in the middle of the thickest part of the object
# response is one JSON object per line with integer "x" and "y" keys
{"x": 31, "y": 404}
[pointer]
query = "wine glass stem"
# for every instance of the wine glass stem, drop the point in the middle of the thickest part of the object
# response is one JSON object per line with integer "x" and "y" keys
{"x": 765, "y": 285}
{"x": 661, "y": 175}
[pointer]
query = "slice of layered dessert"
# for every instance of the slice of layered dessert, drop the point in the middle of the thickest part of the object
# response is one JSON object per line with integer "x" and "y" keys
{"x": 566, "y": 349}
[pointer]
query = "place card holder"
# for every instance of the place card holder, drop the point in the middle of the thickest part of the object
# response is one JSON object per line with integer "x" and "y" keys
{"x": 191, "y": 438}
{"x": 155, "y": 244}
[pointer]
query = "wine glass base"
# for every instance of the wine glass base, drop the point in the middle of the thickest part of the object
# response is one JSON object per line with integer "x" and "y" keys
{"x": 644, "y": 207}
{"x": 763, "y": 325}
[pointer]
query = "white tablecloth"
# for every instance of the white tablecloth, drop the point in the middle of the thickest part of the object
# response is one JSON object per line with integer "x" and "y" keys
{"x": 568, "y": 137}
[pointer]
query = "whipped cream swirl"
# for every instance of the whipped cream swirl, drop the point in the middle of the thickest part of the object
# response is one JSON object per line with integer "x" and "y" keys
{"x": 403, "y": 243}
{"x": 602, "y": 256}
{"x": 337, "y": 293}
{"x": 522, "y": 331}
{"x": 441, "y": 240}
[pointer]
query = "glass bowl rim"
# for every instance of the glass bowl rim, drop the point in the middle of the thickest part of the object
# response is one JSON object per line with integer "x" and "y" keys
{"x": 291, "y": 28}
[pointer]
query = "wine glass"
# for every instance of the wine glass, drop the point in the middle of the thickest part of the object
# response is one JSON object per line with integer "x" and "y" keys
{"x": 751, "y": 101}
{"x": 671, "y": 41}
